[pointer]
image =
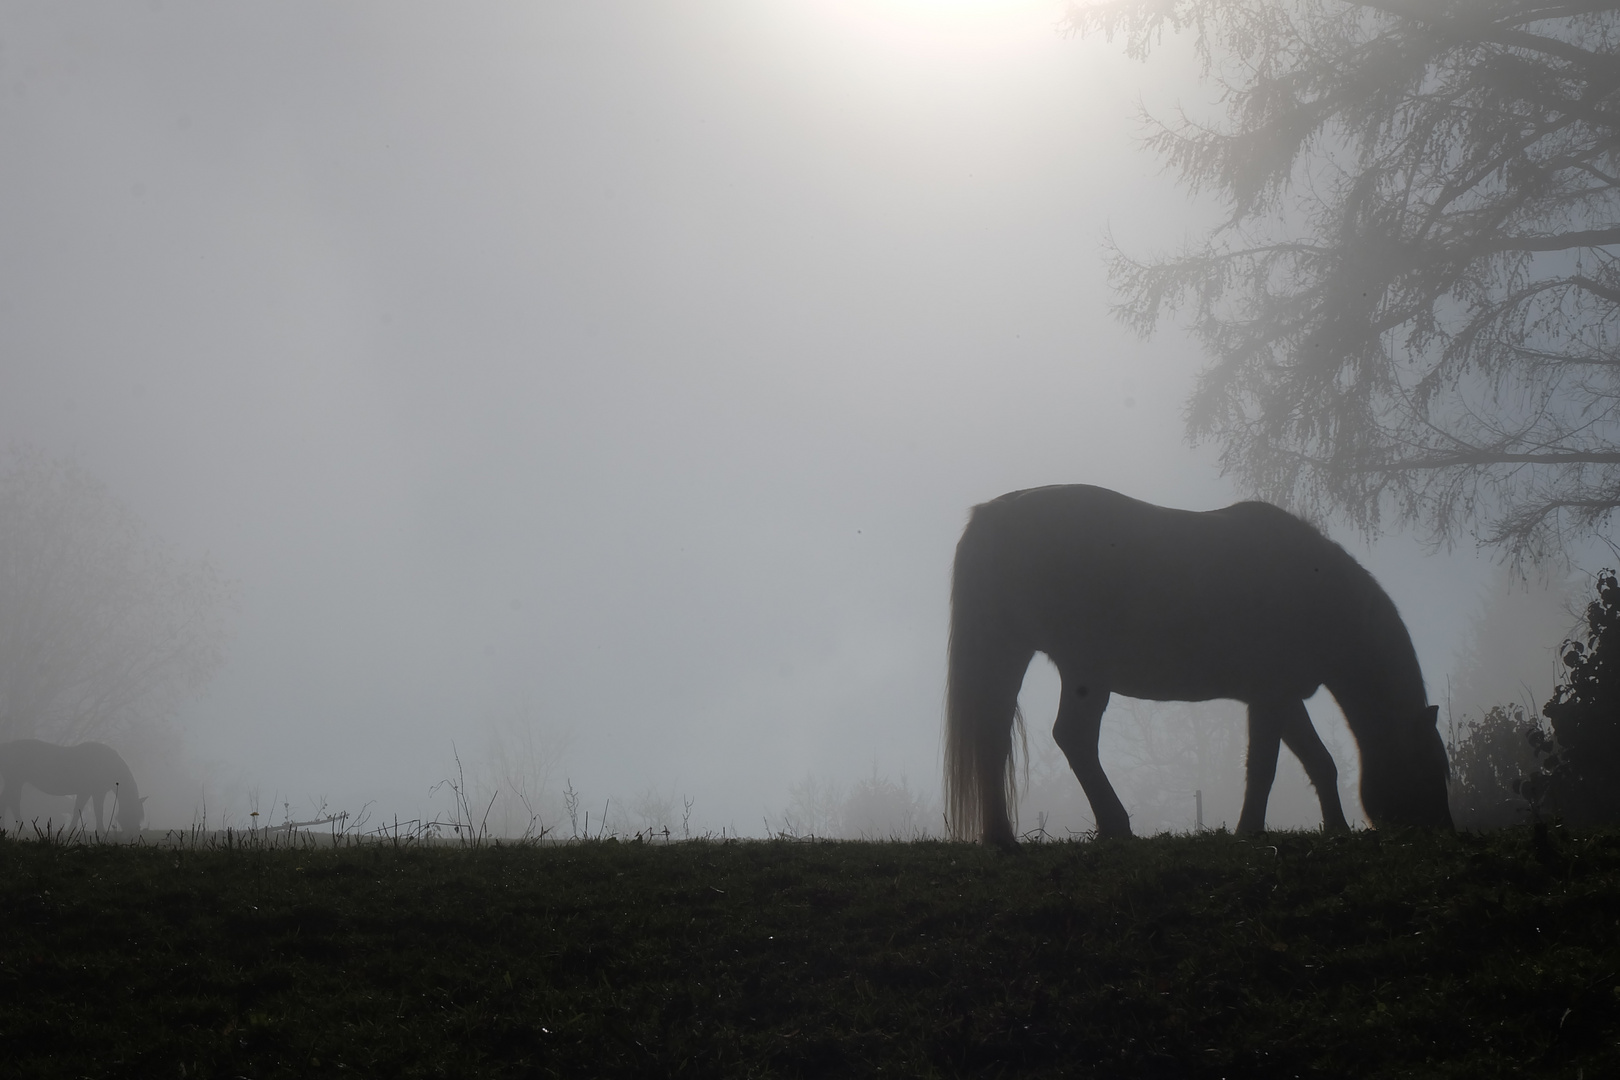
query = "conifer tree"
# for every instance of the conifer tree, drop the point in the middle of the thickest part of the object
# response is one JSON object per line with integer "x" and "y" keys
{"x": 1412, "y": 306}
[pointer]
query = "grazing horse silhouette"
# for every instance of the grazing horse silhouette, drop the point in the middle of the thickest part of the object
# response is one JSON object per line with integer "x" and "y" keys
{"x": 1246, "y": 602}
{"x": 88, "y": 771}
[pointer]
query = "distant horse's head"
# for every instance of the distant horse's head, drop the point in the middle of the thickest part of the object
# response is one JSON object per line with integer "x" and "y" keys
{"x": 1403, "y": 781}
{"x": 131, "y": 812}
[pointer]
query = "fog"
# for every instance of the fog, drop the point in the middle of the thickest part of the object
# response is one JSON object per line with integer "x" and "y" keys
{"x": 596, "y": 392}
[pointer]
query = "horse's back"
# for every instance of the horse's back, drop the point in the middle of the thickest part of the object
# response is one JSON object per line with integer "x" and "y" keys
{"x": 21, "y": 755}
{"x": 1172, "y": 603}
{"x": 62, "y": 770}
{"x": 1080, "y": 530}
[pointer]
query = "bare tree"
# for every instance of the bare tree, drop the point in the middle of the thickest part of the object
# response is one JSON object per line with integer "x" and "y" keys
{"x": 516, "y": 774}
{"x": 101, "y": 627}
{"x": 1161, "y": 752}
{"x": 815, "y": 808}
{"x": 1413, "y": 303}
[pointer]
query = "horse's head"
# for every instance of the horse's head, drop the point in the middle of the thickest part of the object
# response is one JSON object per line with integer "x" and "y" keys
{"x": 130, "y": 814}
{"x": 1404, "y": 782}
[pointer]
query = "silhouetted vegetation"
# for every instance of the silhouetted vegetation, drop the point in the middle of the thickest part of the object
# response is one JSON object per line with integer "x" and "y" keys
{"x": 1580, "y": 776}
{"x": 1406, "y": 953}
{"x": 1491, "y": 758}
{"x": 1510, "y": 765}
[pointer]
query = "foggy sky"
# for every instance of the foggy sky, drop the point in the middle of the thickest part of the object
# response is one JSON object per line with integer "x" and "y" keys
{"x": 624, "y": 369}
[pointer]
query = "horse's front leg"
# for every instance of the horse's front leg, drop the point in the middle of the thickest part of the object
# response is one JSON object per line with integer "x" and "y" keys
{"x": 1079, "y": 721}
{"x": 78, "y": 811}
{"x": 1300, "y": 736}
{"x": 1266, "y": 722}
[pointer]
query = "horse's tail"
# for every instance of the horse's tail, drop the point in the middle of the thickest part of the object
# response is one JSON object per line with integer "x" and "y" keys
{"x": 985, "y": 670}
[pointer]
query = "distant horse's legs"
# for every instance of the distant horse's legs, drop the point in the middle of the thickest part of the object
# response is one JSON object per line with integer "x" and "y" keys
{"x": 1078, "y": 720}
{"x": 1266, "y": 723}
{"x": 1300, "y": 735}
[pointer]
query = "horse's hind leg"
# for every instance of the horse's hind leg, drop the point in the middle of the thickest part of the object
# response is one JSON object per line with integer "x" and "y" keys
{"x": 1266, "y": 722}
{"x": 1079, "y": 720}
{"x": 1300, "y": 735}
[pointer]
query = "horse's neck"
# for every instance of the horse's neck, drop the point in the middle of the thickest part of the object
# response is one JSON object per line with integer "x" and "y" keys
{"x": 1377, "y": 673}
{"x": 124, "y": 780}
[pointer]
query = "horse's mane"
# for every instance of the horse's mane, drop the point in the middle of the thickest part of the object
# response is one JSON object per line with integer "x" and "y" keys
{"x": 1385, "y": 644}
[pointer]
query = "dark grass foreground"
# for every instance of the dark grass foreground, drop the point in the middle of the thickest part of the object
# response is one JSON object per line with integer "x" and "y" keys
{"x": 1402, "y": 954}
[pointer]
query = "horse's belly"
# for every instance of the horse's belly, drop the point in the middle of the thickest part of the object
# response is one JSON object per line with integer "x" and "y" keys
{"x": 47, "y": 786}
{"x": 1193, "y": 666}
{"x": 1181, "y": 682}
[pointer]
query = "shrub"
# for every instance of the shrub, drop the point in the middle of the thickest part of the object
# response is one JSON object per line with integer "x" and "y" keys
{"x": 880, "y": 809}
{"x": 1491, "y": 758}
{"x": 1580, "y": 773}
{"x": 872, "y": 808}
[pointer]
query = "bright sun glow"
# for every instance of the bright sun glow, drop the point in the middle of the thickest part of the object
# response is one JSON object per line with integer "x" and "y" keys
{"x": 959, "y": 27}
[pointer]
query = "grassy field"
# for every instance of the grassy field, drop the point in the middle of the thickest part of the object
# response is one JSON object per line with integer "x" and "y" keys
{"x": 1296, "y": 954}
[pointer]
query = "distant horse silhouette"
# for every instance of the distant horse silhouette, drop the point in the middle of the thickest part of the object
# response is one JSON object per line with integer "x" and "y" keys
{"x": 88, "y": 771}
{"x": 1246, "y": 602}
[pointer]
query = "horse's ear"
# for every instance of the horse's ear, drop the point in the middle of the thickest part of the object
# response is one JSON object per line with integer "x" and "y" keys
{"x": 1432, "y": 715}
